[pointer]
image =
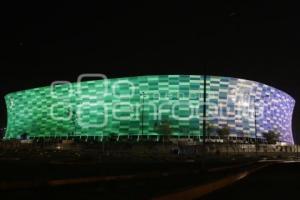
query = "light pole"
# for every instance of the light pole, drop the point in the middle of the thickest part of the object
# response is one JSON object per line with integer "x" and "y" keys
{"x": 255, "y": 121}
{"x": 297, "y": 147}
{"x": 143, "y": 101}
{"x": 74, "y": 119}
{"x": 255, "y": 128}
{"x": 204, "y": 109}
{"x": 157, "y": 121}
{"x": 297, "y": 152}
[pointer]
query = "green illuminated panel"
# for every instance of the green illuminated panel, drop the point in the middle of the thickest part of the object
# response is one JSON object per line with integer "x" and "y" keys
{"x": 98, "y": 108}
{"x": 149, "y": 104}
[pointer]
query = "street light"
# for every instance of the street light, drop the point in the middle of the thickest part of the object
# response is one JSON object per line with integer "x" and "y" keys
{"x": 297, "y": 151}
{"x": 255, "y": 123}
{"x": 73, "y": 119}
{"x": 255, "y": 127}
{"x": 204, "y": 108}
{"x": 297, "y": 145}
{"x": 143, "y": 101}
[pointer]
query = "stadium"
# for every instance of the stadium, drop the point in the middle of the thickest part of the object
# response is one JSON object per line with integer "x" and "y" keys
{"x": 148, "y": 107}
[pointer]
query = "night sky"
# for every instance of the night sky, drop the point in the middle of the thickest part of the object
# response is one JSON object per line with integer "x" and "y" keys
{"x": 43, "y": 42}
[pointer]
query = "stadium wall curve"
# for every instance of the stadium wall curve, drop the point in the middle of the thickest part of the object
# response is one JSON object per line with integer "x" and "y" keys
{"x": 151, "y": 106}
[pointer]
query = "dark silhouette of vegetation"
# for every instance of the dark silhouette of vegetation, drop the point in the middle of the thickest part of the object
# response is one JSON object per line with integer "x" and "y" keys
{"x": 112, "y": 137}
{"x": 209, "y": 129}
{"x": 223, "y": 132}
{"x": 2, "y": 132}
{"x": 244, "y": 136}
{"x": 164, "y": 129}
{"x": 24, "y": 136}
{"x": 271, "y": 137}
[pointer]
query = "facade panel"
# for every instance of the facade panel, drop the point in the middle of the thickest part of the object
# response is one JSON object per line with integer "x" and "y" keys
{"x": 139, "y": 105}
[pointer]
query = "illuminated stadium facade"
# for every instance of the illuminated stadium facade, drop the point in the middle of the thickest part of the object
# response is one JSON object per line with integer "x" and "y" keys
{"x": 139, "y": 106}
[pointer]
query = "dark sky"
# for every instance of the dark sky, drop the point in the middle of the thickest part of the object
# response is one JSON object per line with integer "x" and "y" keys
{"x": 42, "y": 42}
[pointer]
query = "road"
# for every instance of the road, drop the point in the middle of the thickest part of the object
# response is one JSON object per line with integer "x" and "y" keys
{"x": 142, "y": 180}
{"x": 275, "y": 181}
{"x": 279, "y": 181}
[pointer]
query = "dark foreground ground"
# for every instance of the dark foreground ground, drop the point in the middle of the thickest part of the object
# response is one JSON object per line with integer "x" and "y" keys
{"x": 279, "y": 181}
{"x": 49, "y": 176}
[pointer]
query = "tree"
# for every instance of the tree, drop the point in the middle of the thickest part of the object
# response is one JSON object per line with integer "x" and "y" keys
{"x": 2, "y": 132}
{"x": 24, "y": 136}
{"x": 209, "y": 130}
{"x": 244, "y": 136}
{"x": 223, "y": 132}
{"x": 271, "y": 136}
{"x": 112, "y": 137}
{"x": 164, "y": 128}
